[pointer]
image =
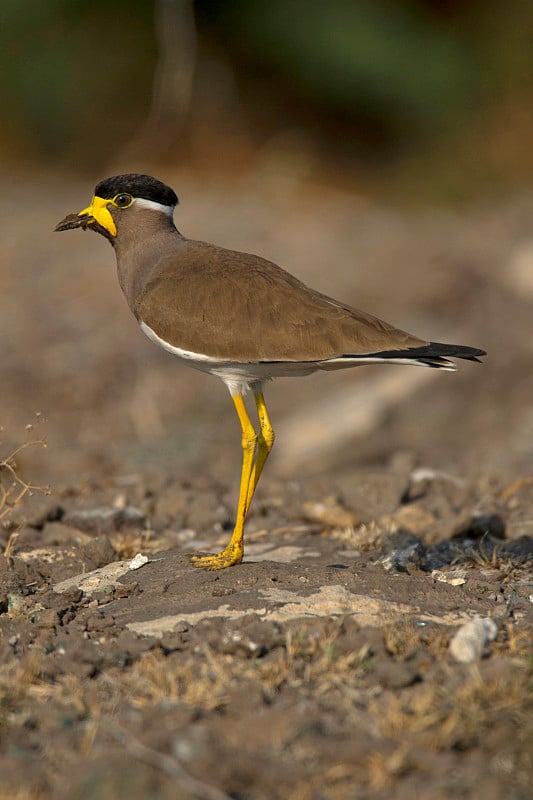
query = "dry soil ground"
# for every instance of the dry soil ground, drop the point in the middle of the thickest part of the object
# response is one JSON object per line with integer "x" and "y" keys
{"x": 398, "y": 507}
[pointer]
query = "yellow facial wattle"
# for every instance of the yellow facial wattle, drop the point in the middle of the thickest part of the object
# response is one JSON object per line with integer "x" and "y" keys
{"x": 99, "y": 211}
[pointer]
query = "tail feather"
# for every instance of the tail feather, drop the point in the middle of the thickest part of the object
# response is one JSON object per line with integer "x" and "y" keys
{"x": 434, "y": 354}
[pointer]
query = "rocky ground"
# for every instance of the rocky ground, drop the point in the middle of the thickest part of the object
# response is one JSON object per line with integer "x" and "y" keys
{"x": 339, "y": 660}
{"x": 376, "y": 641}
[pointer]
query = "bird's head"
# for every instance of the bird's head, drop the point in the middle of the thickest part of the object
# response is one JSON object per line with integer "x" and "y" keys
{"x": 117, "y": 199}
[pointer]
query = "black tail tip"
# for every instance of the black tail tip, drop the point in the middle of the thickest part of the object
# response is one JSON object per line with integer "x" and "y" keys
{"x": 455, "y": 351}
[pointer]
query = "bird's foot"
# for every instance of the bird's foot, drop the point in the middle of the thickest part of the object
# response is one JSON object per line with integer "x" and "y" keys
{"x": 227, "y": 558}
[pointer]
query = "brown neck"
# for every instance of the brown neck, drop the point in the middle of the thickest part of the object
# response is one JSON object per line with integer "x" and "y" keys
{"x": 139, "y": 247}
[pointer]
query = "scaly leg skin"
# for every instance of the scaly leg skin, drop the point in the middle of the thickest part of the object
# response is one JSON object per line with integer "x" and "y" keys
{"x": 264, "y": 446}
{"x": 233, "y": 553}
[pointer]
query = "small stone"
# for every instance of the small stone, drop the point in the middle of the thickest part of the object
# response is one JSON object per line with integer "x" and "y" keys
{"x": 501, "y": 611}
{"x": 61, "y": 602}
{"x": 330, "y": 512}
{"x": 55, "y": 533}
{"x": 452, "y": 579}
{"x": 100, "y": 621}
{"x": 94, "y": 520}
{"x": 456, "y": 581}
{"x": 120, "y": 501}
{"x": 479, "y": 525}
{"x": 395, "y": 675}
{"x": 132, "y": 645}
{"x": 170, "y": 642}
{"x": 105, "y": 596}
{"x": 130, "y": 517}
{"x": 138, "y": 561}
{"x": 402, "y": 560}
{"x": 468, "y": 643}
{"x": 123, "y": 590}
{"x": 424, "y": 481}
{"x": 34, "y": 512}
{"x": 409, "y": 517}
{"x": 223, "y": 591}
{"x": 47, "y": 618}
{"x": 519, "y": 551}
{"x": 16, "y": 604}
{"x": 185, "y": 535}
{"x": 184, "y": 507}
{"x": 100, "y": 551}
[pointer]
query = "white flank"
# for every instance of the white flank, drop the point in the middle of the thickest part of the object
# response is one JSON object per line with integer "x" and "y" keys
{"x": 240, "y": 377}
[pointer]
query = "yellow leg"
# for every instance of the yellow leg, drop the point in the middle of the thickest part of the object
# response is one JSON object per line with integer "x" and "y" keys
{"x": 233, "y": 553}
{"x": 264, "y": 446}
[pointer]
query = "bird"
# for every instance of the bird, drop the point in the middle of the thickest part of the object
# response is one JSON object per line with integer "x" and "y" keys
{"x": 236, "y": 316}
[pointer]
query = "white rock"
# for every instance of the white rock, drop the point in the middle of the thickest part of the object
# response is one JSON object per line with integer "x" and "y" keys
{"x": 138, "y": 561}
{"x": 469, "y": 641}
{"x": 451, "y": 578}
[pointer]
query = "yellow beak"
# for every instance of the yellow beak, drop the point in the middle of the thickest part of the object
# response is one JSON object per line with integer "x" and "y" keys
{"x": 99, "y": 212}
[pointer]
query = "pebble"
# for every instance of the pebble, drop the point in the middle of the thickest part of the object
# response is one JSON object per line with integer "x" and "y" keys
{"x": 401, "y": 560}
{"x": 45, "y": 618}
{"x": 330, "y": 512}
{"x": 468, "y": 643}
{"x": 95, "y": 520}
{"x": 453, "y": 579}
{"x": 394, "y": 675}
{"x": 35, "y": 513}
{"x": 104, "y": 519}
{"x": 138, "y": 561}
{"x": 478, "y": 525}
{"x": 409, "y": 517}
{"x": 100, "y": 551}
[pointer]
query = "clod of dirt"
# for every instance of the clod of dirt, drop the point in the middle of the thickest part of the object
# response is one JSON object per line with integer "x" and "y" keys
{"x": 104, "y": 519}
{"x": 393, "y": 675}
{"x": 410, "y": 557}
{"x": 45, "y": 618}
{"x": 255, "y": 638}
{"x": 100, "y": 551}
{"x": 330, "y": 511}
{"x": 34, "y": 513}
{"x": 481, "y": 524}
{"x": 186, "y": 507}
{"x": 371, "y": 494}
{"x": 430, "y": 483}
{"x": 410, "y": 517}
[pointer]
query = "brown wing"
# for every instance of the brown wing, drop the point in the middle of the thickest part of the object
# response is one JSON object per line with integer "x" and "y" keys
{"x": 236, "y": 306}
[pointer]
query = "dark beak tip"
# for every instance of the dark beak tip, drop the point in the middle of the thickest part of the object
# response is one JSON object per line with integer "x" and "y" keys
{"x": 71, "y": 222}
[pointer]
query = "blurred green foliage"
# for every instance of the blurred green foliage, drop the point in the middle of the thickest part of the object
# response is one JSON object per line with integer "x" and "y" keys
{"x": 389, "y": 77}
{"x": 392, "y": 63}
{"x": 73, "y": 75}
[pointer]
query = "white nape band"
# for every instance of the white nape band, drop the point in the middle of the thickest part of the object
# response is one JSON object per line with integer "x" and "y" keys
{"x": 143, "y": 203}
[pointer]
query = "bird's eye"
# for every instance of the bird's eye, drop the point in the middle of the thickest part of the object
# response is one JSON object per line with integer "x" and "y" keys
{"x": 123, "y": 200}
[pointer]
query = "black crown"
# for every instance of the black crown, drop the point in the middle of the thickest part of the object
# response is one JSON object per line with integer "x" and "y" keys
{"x": 138, "y": 186}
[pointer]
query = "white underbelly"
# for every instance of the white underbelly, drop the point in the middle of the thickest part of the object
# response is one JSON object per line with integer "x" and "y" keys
{"x": 239, "y": 377}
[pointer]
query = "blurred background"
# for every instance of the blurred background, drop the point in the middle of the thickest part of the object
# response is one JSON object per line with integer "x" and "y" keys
{"x": 378, "y": 149}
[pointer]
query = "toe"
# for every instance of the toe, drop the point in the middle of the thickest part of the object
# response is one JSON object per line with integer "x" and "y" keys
{"x": 217, "y": 561}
